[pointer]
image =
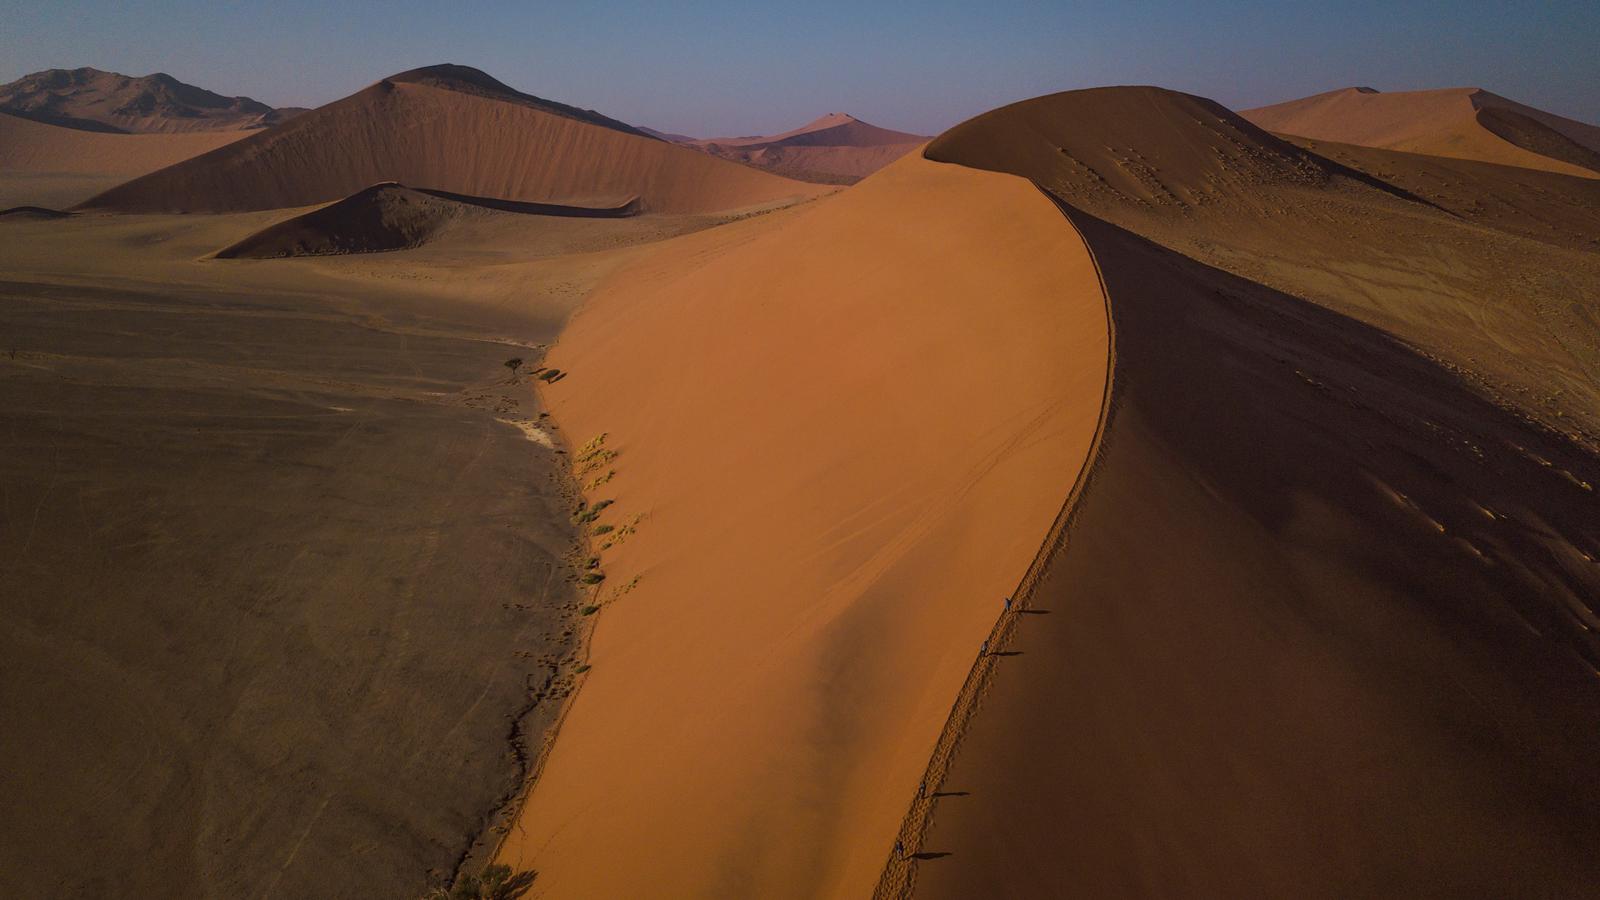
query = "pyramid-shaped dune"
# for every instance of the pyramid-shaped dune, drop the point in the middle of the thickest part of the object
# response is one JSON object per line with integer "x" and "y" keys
{"x": 452, "y": 129}
{"x": 1463, "y": 123}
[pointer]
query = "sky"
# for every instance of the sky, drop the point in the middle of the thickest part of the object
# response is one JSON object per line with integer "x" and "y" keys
{"x": 717, "y": 69}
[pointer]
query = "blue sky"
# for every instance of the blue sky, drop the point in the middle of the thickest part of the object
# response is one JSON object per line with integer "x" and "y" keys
{"x": 742, "y": 68}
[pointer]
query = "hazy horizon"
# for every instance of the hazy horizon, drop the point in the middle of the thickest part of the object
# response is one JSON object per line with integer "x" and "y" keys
{"x": 707, "y": 70}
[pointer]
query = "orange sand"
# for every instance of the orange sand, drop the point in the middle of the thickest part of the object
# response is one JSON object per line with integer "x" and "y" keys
{"x": 847, "y": 428}
{"x": 1464, "y": 123}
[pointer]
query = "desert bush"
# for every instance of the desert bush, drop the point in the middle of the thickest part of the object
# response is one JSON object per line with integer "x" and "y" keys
{"x": 495, "y": 882}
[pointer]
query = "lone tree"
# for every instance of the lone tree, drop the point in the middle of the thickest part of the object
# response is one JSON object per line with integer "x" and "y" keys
{"x": 495, "y": 882}
{"x": 514, "y": 363}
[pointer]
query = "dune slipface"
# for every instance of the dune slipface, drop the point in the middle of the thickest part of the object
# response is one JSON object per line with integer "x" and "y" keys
{"x": 1465, "y": 123}
{"x": 1323, "y": 624}
{"x": 841, "y": 434}
{"x": 440, "y": 129}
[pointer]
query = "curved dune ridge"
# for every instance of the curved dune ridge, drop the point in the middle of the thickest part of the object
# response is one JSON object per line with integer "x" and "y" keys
{"x": 840, "y": 434}
{"x": 440, "y": 130}
{"x": 29, "y": 146}
{"x": 1464, "y": 123}
{"x": 1323, "y": 624}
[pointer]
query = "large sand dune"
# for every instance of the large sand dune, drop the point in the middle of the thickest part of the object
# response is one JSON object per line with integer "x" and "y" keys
{"x": 440, "y": 129}
{"x": 847, "y": 429}
{"x": 1323, "y": 624}
{"x": 48, "y": 165}
{"x": 1465, "y": 123}
{"x": 834, "y": 148}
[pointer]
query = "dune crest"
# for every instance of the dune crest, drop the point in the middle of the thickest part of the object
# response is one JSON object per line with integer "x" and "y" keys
{"x": 1324, "y": 622}
{"x": 841, "y": 433}
{"x": 1462, "y": 123}
{"x": 438, "y": 130}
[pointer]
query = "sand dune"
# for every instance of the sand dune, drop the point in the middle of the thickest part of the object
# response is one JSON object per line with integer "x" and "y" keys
{"x": 47, "y": 165}
{"x": 834, "y": 148}
{"x": 841, "y": 433}
{"x": 93, "y": 100}
{"x": 1463, "y": 123}
{"x": 27, "y": 146}
{"x": 291, "y": 592}
{"x": 439, "y": 129}
{"x": 386, "y": 217}
{"x": 1323, "y": 623}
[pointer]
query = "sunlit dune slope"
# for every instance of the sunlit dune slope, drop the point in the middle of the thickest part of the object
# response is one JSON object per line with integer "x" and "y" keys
{"x": 28, "y": 146}
{"x": 842, "y": 433}
{"x": 445, "y": 131}
{"x": 1465, "y": 123}
{"x": 1323, "y": 625}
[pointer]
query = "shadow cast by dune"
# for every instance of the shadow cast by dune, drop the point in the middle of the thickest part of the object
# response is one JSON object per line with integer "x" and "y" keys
{"x": 1344, "y": 554}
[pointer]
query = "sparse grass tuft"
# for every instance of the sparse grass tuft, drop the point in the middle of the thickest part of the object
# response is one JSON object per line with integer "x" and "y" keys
{"x": 495, "y": 882}
{"x": 603, "y": 529}
{"x": 594, "y": 578}
{"x": 589, "y": 610}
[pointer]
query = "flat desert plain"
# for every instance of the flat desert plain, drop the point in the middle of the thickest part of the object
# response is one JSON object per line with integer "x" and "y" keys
{"x": 1114, "y": 495}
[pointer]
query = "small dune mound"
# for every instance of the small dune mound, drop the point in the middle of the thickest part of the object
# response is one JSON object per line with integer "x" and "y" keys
{"x": 384, "y": 217}
{"x": 32, "y": 212}
{"x": 450, "y": 128}
{"x": 1462, "y": 123}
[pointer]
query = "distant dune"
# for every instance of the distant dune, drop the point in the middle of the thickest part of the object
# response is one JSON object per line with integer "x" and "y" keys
{"x": 841, "y": 432}
{"x": 450, "y": 128}
{"x": 1324, "y": 622}
{"x": 836, "y": 148}
{"x": 93, "y": 100}
{"x": 48, "y": 165}
{"x": 27, "y": 146}
{"x": 1464, "y": 123}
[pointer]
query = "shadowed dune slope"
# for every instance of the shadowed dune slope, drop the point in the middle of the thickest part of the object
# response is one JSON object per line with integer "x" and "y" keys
{"x": 846, "y": 428}
{"x": 1464, "y": 123}
{"x": 29, "y": 146}
{"x": 386, "y": 217}
{"x": 1323, "y": 624}
{"x": 1545, "y": 206}
{"x": 463, "y": 138}
{"x": 1512, "y": 315}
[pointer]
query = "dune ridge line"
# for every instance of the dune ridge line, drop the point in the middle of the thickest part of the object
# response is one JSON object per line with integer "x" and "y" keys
{"x": 899, "y": 873}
